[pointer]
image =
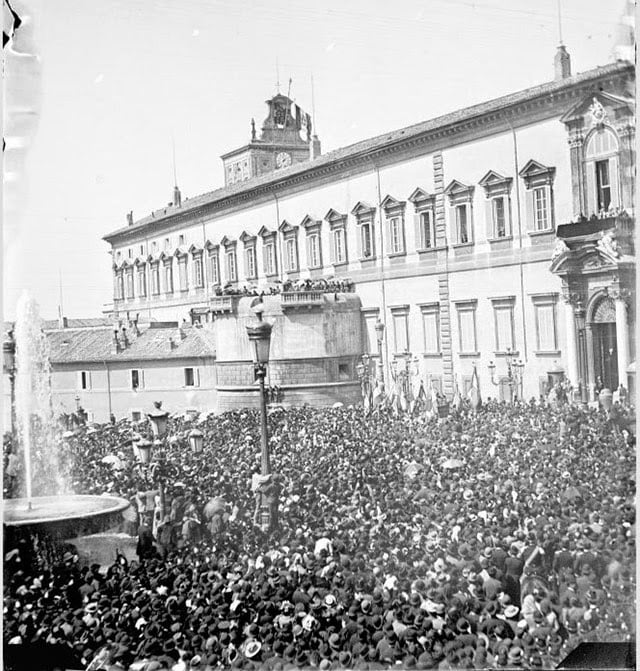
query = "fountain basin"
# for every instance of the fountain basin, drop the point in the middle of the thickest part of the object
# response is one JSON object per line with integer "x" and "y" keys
{"x": 66, "y": 516}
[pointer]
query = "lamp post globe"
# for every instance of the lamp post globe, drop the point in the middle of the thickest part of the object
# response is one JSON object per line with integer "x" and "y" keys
{"x": 196, "y": 439}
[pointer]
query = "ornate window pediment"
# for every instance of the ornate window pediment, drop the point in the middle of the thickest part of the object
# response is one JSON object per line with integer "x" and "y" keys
{"x": 180, "y": 252}
{"x": 247, "y": 238}
{"x": 194, "y": 249}
{"x": 495, "y": 184}
{"x": 264, "y": 232}
{"x": 598, "y": 108}
{"x": 457, "y": 191}
{"x": 228, "y": 242}
{"x": 210, "y": 246}
{"x": 537, "y": 174}
{"x": 310, "y": 223}
{"x": 334, "y": 217}
{"x": 286, "y": 228}
{"x": 392, "y": 206}
{"x": 362, "y": 209}
{"x": 420, "y": 198}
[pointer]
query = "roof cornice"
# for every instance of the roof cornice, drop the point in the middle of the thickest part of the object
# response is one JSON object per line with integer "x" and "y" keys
{"x": 510, "y": 110}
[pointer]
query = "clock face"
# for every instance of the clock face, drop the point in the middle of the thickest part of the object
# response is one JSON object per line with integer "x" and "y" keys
{"x": 283, "y": 160}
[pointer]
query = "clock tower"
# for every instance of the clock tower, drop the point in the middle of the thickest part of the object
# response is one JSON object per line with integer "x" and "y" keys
{"x": 279, "y": 145}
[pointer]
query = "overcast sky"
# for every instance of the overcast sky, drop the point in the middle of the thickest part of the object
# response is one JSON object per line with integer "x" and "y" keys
{"x": 94, "y": 111}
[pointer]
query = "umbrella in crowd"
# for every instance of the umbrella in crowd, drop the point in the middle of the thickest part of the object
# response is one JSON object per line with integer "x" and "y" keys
{"x": 214, "y": 506}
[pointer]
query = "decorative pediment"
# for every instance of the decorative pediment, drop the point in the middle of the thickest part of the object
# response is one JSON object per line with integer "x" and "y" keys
{"x": 247, "y": 238}
{"x": 535, "y": 173}
{"x": 139, "y": 261}
{"x": 210, "y": 246}
{"x": 458, "y": 191}
{"x": 494, "y": 183}
{"x": 362, "y": 209}
{"x": 153, "y": 258}
{"x": 332, "y": 216}
{"x": 195, "y": 249}
{"x": 310, "y": 222}
{"x": 166, "y": 257}
{"x": 180, "y": 252}
{"x": 228, "y": 242}
{"x": 285, "y": 227}
{"x": 598, "y": 108}
{"x": 390, "y": 204}
{"x": 420, "y": 197}
{"x": 264, "y": 232}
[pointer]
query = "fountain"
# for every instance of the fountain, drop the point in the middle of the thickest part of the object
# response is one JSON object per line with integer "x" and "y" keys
{"x": 48, "y": 504}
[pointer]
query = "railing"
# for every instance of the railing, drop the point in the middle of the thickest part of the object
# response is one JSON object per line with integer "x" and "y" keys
{"x": 301, "y": 298}
{"x": 221, "y": 303}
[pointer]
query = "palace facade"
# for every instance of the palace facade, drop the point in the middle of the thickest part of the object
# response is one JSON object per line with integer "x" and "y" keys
{"x": 499, "y": 232}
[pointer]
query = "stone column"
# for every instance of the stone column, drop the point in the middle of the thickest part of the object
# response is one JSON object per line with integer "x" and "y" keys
{"x": 572, "y": 345}
{"x": 622, "y": 339}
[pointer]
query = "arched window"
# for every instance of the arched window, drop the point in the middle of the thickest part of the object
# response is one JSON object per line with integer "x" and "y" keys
{"x": 601, "y": 165}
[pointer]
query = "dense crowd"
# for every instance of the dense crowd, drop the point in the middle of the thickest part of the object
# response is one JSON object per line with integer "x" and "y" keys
{"x": 496, "y": 539}
{"x": 324, "y": 285}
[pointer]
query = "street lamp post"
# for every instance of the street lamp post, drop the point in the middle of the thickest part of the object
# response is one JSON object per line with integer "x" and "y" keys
{"x": 260, "y": 340}
{"x": 158, "y": 418}
{"x": 515, "y": 371}
{"x": 196, "y": 438}
{"x": 9, "y": 368}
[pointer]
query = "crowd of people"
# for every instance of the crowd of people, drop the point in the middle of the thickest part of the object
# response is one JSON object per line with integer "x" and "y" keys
{"x": 492, "y": 539}
{"x": 322, "y": 284}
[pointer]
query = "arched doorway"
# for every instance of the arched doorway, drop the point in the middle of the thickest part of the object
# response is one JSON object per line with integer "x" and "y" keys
{"x": 605, "y": 351}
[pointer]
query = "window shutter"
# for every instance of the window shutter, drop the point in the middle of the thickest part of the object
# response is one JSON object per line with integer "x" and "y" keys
{"x": 615, "y": 181}
{"x": 488, "y": 213}
{"x": 529, "y": 214}
{"x": 403, "y": 234}
{"x": 141, "y": 378}
{"x": 509, "y": 217}
{"x": 196, "y": 377}
{"x": 359, "y": 240}
{"x": 88, "y": 380}
{"x": 453, "y": 226}
{"x": 552, "y": 208}
{"x": 332, "y": 246}
{"x": 592, "y": 199}
{"x": 79, "y": 379}
{"x": 417, "y": 231}
{"x": 470, "y": 223}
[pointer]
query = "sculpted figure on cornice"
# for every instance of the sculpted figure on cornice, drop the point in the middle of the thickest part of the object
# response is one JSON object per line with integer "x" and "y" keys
{"x": 608, "y": 244}
{"x": 559, "y": 249}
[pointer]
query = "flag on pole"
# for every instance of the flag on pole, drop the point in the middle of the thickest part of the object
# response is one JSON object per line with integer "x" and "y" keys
{"x": 474, "y": 391}
{"x": 456, "y": 401}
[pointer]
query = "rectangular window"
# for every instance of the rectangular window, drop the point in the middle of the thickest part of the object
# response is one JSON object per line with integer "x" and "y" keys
{"x": 366, "y": 240}
{"x": 499, "y": 217}
{"x": 431, "y": 329}
{"x": 130, "y": 284}
{"x": 313, "y": 242}
{"x": 136, "y": 379}
{"x": 370, "y": 319}
{"x": 154, "y": 246}
{"x": 214, "y": 268}
{"x": 142, "y": 282}
{"x": 603, "y": 184}
{"x": 426, "y": 232}
{"x": 232, "y": 271}
{"x": 467, "y": 330}
{"x": 181, "y": 240}
{"x": 250, "y": 262}
{"x": 504, "y": 328}
{"x": 546, "y": 327}
{"x": 400, "y": 331}
{"x": 339, "y": 247}
{"x": 136, "y": 415}
{"x": 540, "y": 208}
{"x": 85, "y": 380}
{"x": 183, "y": 275}
{"x": 167, "y": 244}
{"x": 291, "y": 252}
{"x": 198, "y": 276}
{"x": 396, "y": 236}
{"x": 270, "y": 259}
{"x": 155, "y": 279}
{"x": 130, "y": 253}
{"x": 462, "y": 224}
{"x": 190, "y": 377}
{"x": 119, "y": 286}
{"x": 168, "y": 278}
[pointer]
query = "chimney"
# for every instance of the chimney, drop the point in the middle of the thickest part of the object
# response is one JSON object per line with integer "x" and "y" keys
{"x": 62, "y": 322}
{"x": 562, "y": 63}
{"x": 172, "y": 343}
{"x": 177, "y": 197}
{"x": 314, "y": 148}
{"x": 116, "y": 342}
{"x": 130, "y": 218}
